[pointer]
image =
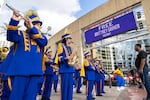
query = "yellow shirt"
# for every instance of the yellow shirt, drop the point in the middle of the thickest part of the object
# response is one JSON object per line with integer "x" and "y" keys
{"x": 119, "y": 72}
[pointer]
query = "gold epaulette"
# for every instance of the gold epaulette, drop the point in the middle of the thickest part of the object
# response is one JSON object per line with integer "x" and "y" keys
{"x": 85, "y": 63}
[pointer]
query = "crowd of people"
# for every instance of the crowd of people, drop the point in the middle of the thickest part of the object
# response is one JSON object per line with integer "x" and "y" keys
{"x": 30, "y": 70}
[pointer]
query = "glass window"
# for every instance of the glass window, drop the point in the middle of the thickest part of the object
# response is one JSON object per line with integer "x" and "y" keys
{"x": 125, "y": 54}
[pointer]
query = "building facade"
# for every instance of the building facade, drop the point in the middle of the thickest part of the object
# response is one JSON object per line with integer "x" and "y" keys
{"x": 110, "y": 31}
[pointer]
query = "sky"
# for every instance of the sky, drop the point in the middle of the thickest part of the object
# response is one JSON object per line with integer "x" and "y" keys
{"x": 54, "y": 13}
{"x": 88, "y": 5}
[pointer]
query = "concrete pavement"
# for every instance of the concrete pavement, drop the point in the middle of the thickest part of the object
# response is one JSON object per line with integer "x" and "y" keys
{"x": 129, "y": 93}
{"x": 111, "y": 94}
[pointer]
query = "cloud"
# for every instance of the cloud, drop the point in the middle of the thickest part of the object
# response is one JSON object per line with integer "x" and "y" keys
{"x": 55, "y": 20}
{"x": 54, "y": 13}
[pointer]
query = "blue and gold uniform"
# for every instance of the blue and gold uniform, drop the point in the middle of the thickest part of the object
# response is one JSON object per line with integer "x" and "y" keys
{"x": 55, "y": 79}
{"x": 102, "y": 80}
{"x": 89, "y": 75}
{"x": 26, "y": 65}
{"x": 3, "y": 69}
{"x": 66, "y": 71}
{"x": 48, "y": 76}
{"x": 98, "y": 84}
{"x": 78, "y": 80}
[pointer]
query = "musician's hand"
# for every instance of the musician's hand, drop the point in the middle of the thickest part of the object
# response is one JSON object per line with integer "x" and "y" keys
{"x": 68, "y": 58}
{"x": 16, "y": 16}
{"x": 28, "y": 22}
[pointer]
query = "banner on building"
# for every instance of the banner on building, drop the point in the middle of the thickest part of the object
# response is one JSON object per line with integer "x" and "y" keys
{"x": 114, "y": 27}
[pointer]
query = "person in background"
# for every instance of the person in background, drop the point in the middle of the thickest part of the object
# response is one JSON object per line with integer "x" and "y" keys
{"x": 142, "y": 68}
{"x": 26, "y": 66}
{"x": 55, "y": 79}
{"x": 98, "y": 77}
{"x": 102, "y": 79}
{"x": 119, "y": 77}
{"x": 48, "y": 74}
{"x": 77, "y": 76}
{"x": 89, "y": 74}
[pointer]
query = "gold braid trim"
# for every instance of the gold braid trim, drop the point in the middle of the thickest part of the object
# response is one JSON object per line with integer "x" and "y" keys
{"x": 35, "y": 18}
{"x": 39, "y": 35}
{"x": 26, "y": 41}
{"x": 9, "y": 83}
{"x": 11, "y": 27}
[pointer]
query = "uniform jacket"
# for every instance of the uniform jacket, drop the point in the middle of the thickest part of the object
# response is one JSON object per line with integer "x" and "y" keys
{"x": 27, "y": 58}
{"x": 89, "y": 72}
{"x": 6, "y": 63}
{"x": 49, "y": 66}
{"x": 63, "y": 63}
{"x": 98, "y": 74}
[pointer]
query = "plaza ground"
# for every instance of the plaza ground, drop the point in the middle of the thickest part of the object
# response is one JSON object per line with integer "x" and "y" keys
{"x": 129, "y": 93}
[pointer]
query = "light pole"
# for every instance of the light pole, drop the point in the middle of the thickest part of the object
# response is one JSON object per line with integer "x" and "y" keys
{"x": 48, "y": 35}
{"x": 49, "y": 28}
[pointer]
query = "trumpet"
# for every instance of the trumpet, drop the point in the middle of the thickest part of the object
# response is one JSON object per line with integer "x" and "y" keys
{"x": 16, "y": 11}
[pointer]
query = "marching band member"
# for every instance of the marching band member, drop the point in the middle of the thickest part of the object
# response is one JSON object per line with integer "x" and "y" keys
{"x": 5, "y": 93}
{"x": 89, "y": 74}
{"x": 98, "y": 77}
{"x": 66, "y": 71}
{"x": 102, "y": 79}
{"x": 77, "y": 76}
{"x": 26, "y": 65}
{"x": 55, "y": 79}
{"x": 48, "y": 75}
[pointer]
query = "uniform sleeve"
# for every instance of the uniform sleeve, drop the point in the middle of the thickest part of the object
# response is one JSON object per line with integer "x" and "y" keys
{"x": 13, "y": 34}
{"x": 60, "y": 53}
{"x": 87, "y": 65}
{"x": 47, "y": 62}
{"x": 39, "y": 37}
